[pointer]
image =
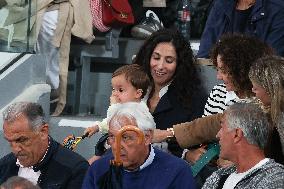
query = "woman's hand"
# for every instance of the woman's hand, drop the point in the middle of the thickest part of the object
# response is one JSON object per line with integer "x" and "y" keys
{"x": 92, "y": 130}
{"x": 160, "y": 135}
{"x": 193, "y": 155}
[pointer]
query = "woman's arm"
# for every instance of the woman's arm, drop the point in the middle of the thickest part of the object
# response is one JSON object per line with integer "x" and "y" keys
{"x": 198, "y": 131}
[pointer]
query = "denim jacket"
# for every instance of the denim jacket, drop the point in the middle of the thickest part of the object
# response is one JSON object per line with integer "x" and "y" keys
{"x": 266, "y": 22}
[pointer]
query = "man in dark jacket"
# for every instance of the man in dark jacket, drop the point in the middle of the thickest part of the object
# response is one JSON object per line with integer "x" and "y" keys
{"x": 35, "y": 155}
{"x": 263, "y": 19}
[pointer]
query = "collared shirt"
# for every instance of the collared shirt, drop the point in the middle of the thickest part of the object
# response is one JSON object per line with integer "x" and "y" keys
{"x": 28, "y": 173}
{"x": 162, "y": 92}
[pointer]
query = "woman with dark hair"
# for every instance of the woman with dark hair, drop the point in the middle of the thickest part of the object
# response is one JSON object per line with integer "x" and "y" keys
{"x": 232, "y": 55}
{"x": 175, "y": 95}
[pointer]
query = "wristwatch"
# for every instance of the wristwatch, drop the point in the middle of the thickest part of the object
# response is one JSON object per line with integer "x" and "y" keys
{"x": 172, "y": 132}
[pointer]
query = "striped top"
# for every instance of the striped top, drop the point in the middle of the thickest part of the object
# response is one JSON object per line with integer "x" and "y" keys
{"x": 219, "y": 99}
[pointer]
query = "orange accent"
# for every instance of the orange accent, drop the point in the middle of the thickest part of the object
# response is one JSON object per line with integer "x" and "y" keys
{"x": 117, "y": 161}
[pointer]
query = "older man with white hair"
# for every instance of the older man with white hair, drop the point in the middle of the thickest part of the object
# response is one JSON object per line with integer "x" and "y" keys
{"x": 143, "y": 165}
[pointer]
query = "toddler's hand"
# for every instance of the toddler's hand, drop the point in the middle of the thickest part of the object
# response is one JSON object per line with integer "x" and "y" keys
{"x": 113, "y": 99}
{"x": 92, "y": 130}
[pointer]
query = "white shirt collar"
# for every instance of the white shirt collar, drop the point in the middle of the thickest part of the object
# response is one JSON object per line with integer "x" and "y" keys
{"x": 149, "y": 160}
{"x": 162, "y": 92}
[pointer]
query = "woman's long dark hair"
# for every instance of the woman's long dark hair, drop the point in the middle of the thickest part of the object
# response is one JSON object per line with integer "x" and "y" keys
{"x": 186, "y": 79}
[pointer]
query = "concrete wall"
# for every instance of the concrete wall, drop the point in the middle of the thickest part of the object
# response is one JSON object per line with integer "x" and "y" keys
{"x": 25, "y": 80}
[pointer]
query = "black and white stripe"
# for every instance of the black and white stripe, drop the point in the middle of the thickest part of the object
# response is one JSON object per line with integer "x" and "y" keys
{"x": 216, "y": 100}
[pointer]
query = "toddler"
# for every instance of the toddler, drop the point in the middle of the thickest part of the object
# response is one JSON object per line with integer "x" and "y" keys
{"x": 129, "y": 84}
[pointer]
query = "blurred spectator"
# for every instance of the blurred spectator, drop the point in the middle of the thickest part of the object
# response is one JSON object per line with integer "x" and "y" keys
{"x": 263, "y": 19}
{"x": 17, "y": 182}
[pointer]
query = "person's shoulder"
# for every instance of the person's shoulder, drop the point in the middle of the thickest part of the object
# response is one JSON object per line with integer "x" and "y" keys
{"x": 222, "y": 3}
{"x": 275, "y": 3}
{"x": 199, "y": 98}
{"x": 170, "y": 161}
{"x": 7, "y": 159}
{"x": 219, "y": 89}
{"x": 200, "y": 93}
{"x": 102, "y": 164}
{"x": 105, "y": 159}
{"x": 216, "y": 175}
{"x": 272, "y": 166}
{"x": 68, "y": 158}
{"x": 270, "y": 175}
{"x": 220, "y": 86}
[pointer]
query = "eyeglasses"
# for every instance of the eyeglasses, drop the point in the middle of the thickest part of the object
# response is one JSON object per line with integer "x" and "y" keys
{"x": 127, "y": 138}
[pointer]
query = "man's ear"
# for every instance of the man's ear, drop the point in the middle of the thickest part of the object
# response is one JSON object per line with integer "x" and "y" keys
{"x": 239, "y": 134}
{"x": 139, "y": 93}
{"x": 44, "y": 131}
{"x": 148, "y": 137}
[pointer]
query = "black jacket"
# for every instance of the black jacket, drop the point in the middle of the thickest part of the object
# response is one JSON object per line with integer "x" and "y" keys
{"x": 171, "y": 111}
{"x": 61, "y": 168}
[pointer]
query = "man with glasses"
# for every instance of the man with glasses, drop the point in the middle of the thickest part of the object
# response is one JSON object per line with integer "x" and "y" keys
{"x": 143, "y": 165}
{"x": 35, "y": 155}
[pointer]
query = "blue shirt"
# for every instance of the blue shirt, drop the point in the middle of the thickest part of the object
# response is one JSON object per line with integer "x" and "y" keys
{"x": 164, "y": 172}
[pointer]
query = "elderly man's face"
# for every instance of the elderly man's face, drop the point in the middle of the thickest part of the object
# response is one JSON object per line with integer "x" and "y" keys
{"x": 226, "y": 137}
{"x": 132, "y": 154}
{"x": 28, "y": 146}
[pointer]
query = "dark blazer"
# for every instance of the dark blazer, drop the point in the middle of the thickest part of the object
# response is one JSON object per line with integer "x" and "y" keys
{"x": 171, "y": 111}
{"x": 61, "y": 168}
{"x": 265, "y": 22}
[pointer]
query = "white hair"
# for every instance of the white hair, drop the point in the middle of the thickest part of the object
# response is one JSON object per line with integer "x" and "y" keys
{"x": 134, "y": 111}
